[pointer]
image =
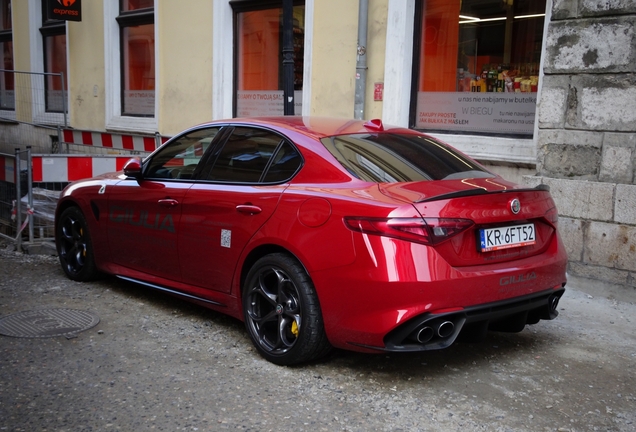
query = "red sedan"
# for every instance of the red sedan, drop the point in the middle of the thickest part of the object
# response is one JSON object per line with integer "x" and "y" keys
{"x": 322, "y": 233}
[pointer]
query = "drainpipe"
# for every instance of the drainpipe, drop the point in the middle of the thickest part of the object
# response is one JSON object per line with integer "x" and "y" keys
{"x": 361, "y": 63}
{"x": 288, "y": 57}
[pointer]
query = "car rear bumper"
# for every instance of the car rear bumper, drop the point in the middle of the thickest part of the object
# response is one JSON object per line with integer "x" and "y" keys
{"x": 437, "y": 331}
{"x": 380, "y": 306}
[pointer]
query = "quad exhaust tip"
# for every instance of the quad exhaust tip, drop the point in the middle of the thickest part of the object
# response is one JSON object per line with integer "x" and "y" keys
{"x": 442, "y": 330}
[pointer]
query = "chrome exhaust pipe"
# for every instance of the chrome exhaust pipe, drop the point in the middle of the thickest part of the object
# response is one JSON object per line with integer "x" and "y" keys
{"x": 549, "y": 311}
{"x": 554, "y": 302}
{"x": 424, "y": 335}
{"x": 445, "y": 329}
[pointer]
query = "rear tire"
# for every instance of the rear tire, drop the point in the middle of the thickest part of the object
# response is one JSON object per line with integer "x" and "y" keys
{"x": 282, "y": 313}
{"x": 74, "y": 246}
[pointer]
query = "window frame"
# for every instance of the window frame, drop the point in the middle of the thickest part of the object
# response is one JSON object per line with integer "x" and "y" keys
{"x": 6, "y": 35}
{"x": 418, "y": 9}
{"x": 242, "y": 6}
{"x": 50, "y": 28}
{"x": 126, "y": 19}
{"x": 112, "y": 70}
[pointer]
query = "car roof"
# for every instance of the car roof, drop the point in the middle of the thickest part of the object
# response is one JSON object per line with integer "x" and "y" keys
{"x": 315, "y": 127}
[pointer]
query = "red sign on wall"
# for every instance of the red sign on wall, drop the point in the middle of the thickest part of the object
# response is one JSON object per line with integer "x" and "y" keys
{"x": 378, "y": 91}
{"x": 67, "y": 10}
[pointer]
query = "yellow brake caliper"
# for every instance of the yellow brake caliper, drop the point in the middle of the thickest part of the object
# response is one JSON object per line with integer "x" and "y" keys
{"x": 294, "y": 328}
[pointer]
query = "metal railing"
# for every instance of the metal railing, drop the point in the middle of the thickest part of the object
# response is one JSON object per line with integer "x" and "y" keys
{"x": 33, "y": 95}
{"x": 33, "y": 108}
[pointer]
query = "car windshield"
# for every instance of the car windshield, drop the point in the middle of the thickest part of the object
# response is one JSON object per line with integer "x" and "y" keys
{"x": 390, "y": 158}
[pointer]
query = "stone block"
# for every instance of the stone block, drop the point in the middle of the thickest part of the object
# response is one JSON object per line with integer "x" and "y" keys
{"x": 564, "y": 161}
{"x": 606, "y": 8}
{"x": 583, "y": 46}
{"x": 602, "y": 282}
{"x": 625, "y": 204}
{"x": 620, "y": 139}
{"x": 569, "y": 137}
{"x": 569, "y": 154}
{"x": 531, "y": 181}
{"x": 612, "y": 276}
{"x": 571, "y": 231}
{"x": 617, "y": 164}
{"x": 609, "y": 108}
{"x": 583, "y": 199}
{"x": 603, "y": 102}
{"x": 552, "y": 104}
{"x": 610, "y": 245}
{"x": 510, "y": 172}
{"x": 563, "y": 9}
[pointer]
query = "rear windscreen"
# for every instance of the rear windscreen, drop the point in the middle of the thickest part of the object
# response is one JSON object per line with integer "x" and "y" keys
{"x": 390, "y": 158}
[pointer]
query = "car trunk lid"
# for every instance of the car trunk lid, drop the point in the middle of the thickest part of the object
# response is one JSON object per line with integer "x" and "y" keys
{"x": 498, "y": 234}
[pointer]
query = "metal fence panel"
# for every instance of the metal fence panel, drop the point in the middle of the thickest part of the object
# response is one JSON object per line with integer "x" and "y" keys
{"x": 31, "y": 217}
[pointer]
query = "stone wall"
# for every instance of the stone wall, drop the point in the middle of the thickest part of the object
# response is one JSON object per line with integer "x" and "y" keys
{"x": 586, "y": 143}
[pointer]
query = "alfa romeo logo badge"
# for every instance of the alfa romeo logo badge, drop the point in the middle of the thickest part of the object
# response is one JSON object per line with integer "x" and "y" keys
{"x": 515, "y": 206}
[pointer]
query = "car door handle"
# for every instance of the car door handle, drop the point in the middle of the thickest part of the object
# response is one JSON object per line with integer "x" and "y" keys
{"x": 168, "y": 202}
{"x": 248, "y": 209}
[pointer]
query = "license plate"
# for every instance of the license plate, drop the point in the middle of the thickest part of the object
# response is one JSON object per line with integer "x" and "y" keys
{"x": 492, "y": 239}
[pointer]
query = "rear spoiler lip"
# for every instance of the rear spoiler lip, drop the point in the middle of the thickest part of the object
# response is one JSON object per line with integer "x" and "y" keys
{"x": 473, "y": 192}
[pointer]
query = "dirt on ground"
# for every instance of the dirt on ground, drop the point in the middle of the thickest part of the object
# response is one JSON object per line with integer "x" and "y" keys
{"x": 154, "y": 362}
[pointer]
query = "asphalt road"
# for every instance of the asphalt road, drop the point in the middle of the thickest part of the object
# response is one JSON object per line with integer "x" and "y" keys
{"x": 157, "y": 363}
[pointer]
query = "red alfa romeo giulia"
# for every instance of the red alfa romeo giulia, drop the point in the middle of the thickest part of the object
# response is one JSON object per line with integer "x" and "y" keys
{"x": 322, "y": 233}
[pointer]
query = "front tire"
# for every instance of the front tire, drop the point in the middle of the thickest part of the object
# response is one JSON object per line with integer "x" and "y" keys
{"x": 74, "y": 246}
{"x": 282, "y": 313}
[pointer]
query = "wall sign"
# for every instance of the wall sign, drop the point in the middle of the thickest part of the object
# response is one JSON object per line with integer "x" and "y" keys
{"x": 477, "y": 112}
{"x": 378, "y": 91}
{"x": 68, "y": 10}
{"x": 255, "y": 103}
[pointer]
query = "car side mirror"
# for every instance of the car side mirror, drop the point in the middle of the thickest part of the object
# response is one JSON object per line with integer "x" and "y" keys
{"x": 132, "y": 168}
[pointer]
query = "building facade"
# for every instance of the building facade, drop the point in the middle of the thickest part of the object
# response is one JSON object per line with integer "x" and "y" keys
{"x": 540, "y": 91}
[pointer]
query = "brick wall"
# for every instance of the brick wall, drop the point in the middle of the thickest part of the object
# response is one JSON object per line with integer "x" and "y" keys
{"x": 586, "y": 143}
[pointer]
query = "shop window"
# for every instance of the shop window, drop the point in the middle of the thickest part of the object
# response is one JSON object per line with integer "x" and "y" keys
{"x": 477, "y": 65}
{"x": 7, "y": 88}
{"x": 258, "y": 57}
{"x": 137, "y": 47}
{"x": 54, "y": 42}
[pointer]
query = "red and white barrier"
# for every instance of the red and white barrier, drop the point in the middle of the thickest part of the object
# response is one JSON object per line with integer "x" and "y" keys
{"x": 7, "y": 169}
{"x": 68, "y": 168}
{"x": 109, "y": 140}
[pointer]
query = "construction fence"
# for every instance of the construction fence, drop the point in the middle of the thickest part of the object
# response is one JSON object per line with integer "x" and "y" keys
{"x": 40, "y": 154}
{"x": 29, "y": 194}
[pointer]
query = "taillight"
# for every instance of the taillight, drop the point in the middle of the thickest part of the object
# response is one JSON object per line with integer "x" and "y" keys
{"x": 420, "y": 230}
{"x": 552, "y": 216}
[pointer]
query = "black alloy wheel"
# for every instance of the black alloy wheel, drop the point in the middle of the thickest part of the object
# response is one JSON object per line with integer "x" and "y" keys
{"x": 74, "y": 246}
{"x": 282, "y": 313}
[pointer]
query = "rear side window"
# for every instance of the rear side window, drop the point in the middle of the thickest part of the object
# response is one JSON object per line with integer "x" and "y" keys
{"x": 254, "y": 156}
{"x": 283, "y": 165}
{"x": 390, "y": 158}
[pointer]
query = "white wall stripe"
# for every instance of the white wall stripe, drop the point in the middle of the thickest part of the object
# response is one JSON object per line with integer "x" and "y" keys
{"x": 104, "y": 165}
{"x": 54, "y": 169}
